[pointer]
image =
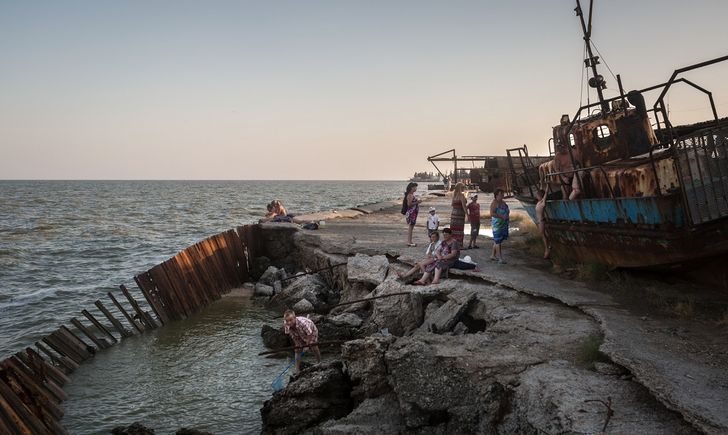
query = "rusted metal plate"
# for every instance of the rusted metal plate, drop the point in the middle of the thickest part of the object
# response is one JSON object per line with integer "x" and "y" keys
{"x": 117, "y": 325}
{"x": 22, "y": 417}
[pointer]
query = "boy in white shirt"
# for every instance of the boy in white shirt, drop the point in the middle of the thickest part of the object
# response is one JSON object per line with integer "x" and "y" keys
{"x": 433, "y": 222}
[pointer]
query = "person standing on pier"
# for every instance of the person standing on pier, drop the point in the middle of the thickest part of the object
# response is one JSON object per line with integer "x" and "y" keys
{"x": 304, "y": 334}
{"x": 474, "y": 217}
{"x": 459, "y": 211}
{"x": 500, "y": 215}
{"x": 410, "y": 209}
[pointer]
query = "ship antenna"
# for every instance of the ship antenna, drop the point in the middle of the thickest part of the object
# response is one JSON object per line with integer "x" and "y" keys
{"x": 597, "y": 80}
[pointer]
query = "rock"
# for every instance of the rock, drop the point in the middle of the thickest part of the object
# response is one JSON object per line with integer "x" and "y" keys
{"x": 303, "y": 306}
{"x": 364, "y": 361}
{"x": 395, "y": 312}
{"x": 609, "y": 369}
{"x": 448, "y": 315}
{"x": 317, "y": 394}
{"x": 439, "y": 391}
{"x": 346, "y": 319}
{"x": 376, "y": 416}
{"x": 134, "y": 429}
{"x": 460, "y": 329}
{"x": 269, "y": 276}
{"x": 274, "y": 338}
{"x": 367, "y": 269}
{"x": 263, "y": 290}
{"x": 259, "y": 266}
{"x": 328, "y": 331}
{"x": 309, "y": 287}
{"x": 557, "y": 397}
{"x": 249, "y": 285}
{"x": 432, "y": 307}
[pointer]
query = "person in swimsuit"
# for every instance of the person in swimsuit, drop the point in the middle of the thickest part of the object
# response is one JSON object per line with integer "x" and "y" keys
{"x": 499, "y": 213}
{"x": 540, "y": 206}
{"x": 413, "y": 207}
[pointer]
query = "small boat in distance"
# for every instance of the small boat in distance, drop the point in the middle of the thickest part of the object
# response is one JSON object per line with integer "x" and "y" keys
{"x": 623, "y": 194}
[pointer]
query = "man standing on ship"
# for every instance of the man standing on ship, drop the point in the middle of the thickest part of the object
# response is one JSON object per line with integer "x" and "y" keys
{"x": 304, "y": 333}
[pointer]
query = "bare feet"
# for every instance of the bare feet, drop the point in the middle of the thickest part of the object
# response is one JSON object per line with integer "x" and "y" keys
{"x": 412, "y": 245}
{"x": 435, "y": 281}
{"x": 419, "y": 282}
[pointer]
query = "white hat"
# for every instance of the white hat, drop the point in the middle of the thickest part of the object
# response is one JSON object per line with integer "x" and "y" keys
{"x": 433, "y": 209}
{"x": 467, "y": 259}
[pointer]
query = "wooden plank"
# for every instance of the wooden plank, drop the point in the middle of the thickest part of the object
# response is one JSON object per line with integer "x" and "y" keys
{"x": 61, "y": 347}
{"x": 219, "y": 245}
{"x": 137, "y": 325}
{"x": 143, "y": 317}
{"x": 213, "y": 262}
{"x": 119, "y": 327}
{"x": 99, "y": 342}
{"x": 98, "y": 325}
{"x": 239, "y": 252}
{"x": 90, "y": 350}
{"x": 36, "y": 399}
{"x": 182, "y": 286}
{"x": 67, "y": 365}
{"x": 53, "y": 371}
{"x": 178, "y": 308}
{"x": 23, "y": 418}
{"x": 224, "y": 250}
{"x": 194, "y": 276}
{"x": 39, "y": 394}
{"x": 145, "y": 284}
{"x": 218, "y": 258}
{"x": 205, "y": 270}
{"x": 42, "y": 376}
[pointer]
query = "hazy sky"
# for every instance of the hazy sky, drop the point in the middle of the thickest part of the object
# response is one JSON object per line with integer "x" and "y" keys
{"x": 317, "y": 89}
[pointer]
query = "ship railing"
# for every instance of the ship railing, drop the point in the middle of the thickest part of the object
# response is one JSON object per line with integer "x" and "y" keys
{"x": 660, "y": 107}
{"x": 702, "y": 162}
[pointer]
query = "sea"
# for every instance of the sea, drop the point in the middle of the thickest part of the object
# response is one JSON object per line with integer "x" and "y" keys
{"x": 65, "y": 244}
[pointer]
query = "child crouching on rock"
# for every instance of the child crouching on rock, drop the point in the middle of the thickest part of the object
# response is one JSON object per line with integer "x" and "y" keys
{"x": 304, "y": 333}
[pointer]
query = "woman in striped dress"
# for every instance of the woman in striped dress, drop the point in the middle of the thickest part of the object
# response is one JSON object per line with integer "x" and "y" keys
{"x": 459, "y": 212}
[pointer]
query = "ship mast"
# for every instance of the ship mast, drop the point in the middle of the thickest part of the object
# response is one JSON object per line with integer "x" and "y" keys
{"x": 597, "y": 80}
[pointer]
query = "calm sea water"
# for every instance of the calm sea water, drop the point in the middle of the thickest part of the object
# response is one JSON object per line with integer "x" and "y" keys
{"x": 64, "y": 244}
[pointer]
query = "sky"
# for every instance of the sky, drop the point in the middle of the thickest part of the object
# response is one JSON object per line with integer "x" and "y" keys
{"x": 338, "y": 89}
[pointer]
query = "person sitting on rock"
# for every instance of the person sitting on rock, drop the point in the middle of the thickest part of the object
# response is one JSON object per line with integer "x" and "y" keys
{"x": 271, "y": 213}
{"x": 444, "y": 259}
{"x": 432, "y": 248}
{"x": 304, "y": 333}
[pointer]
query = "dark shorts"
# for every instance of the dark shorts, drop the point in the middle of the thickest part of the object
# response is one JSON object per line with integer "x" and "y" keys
{"x": 474, "y": 228}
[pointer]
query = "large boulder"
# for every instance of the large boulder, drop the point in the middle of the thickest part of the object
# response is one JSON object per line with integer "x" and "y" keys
{"x": 364, "y": 361}
{"x": 259, "y": 266}
{"x": 274, "y": 338}
{"x": 376, "y": 416}
{"x": 317, "y": 394}
{"x": 269, "y": 276}
{"x": 303, "y": 306}
{"x": 309, "y": 287}
{"x": 448, "y": 315}
{"x": 395, "y": 312}
{"x": 263, "y": 290}
{"x": 439, "y": 391}
{"x": 367, "y": 269}
{"x": 346, "y": 319}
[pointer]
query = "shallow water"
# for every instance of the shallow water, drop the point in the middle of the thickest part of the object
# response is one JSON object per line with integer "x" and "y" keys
{"x": 64, "y": 244}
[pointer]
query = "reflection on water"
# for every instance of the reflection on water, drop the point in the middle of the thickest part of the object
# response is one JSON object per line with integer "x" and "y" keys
{"x": 202, "y": 372}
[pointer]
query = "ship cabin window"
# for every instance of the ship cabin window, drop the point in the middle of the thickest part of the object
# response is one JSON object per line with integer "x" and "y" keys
{"x": 602, "y": 137}
{"x": 572, "y": 140}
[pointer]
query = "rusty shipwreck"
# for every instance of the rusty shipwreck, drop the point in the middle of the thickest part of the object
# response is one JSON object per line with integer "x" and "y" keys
{"x": 625, "y": 192}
